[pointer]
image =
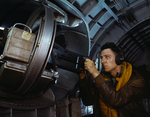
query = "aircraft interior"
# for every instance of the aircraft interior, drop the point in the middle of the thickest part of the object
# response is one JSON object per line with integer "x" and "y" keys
{"x": 43, "y": 45}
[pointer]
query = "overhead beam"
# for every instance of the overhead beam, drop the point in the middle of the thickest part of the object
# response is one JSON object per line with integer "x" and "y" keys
{"x": 101, "y": 2}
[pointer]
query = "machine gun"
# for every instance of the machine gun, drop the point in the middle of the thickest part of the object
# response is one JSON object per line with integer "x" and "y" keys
{"x": 65, "y": 59}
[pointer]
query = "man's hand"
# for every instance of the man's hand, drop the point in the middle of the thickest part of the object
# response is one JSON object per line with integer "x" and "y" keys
{"x": 90, "y": 66}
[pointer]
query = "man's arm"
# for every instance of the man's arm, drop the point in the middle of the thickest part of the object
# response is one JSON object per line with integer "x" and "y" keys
{"x": 86, "y": 93}
{"x": 129, "y": 92}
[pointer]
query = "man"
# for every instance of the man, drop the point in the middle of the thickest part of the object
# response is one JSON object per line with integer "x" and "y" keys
{"x": 118, "y": 90}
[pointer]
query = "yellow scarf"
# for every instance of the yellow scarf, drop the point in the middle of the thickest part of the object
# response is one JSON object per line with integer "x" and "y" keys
{"x": 106, "y": 110}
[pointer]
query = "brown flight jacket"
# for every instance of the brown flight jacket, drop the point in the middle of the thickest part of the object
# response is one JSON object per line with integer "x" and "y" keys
{"x": 127, "y": 101}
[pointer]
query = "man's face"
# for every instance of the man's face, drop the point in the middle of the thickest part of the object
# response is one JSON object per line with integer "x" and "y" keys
{"x": 108, "y": 60}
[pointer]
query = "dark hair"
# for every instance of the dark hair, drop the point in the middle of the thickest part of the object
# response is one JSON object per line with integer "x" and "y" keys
{"x": 117, "y": 51}
{"x": 112, "y": 46}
